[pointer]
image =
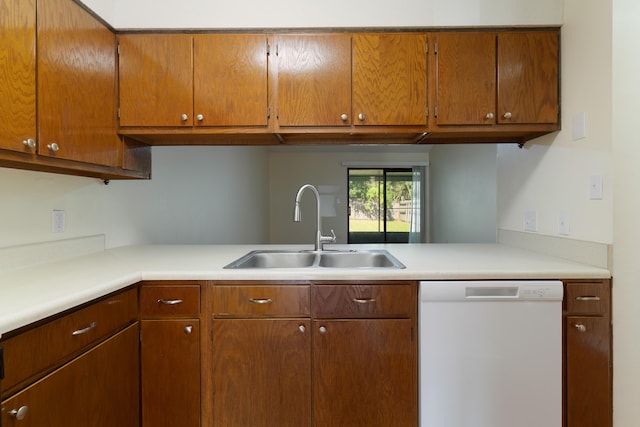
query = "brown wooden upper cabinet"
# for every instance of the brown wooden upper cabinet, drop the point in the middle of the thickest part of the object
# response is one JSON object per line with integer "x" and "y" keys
{"x": 344, "y": 80}
{"x": 182, "y": 80}
{"x": 390, "y": 79}
{"x": 496, "y": 78}
{"x": 18, "y": 71}
{"x": 313, "y": 80}
{"x": 76, "y": 67}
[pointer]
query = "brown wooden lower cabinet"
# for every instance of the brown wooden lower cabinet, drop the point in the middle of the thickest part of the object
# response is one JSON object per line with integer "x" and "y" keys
{"x": 98, "y": 388}
{"x": 588, "y": 358}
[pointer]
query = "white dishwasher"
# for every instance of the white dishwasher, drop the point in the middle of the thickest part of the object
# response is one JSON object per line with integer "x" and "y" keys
{"x": 490, "y": 353}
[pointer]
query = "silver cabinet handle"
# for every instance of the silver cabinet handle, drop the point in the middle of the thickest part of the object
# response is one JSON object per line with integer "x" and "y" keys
{"x": 322, "y": 330}
{"x": 184, "y": 117}
{"x": 260, "y": 300}
{"x": 361, "y": 117}
{"x": 364, "y": 300}
{"x": 188, "y": 329}
{"x": 29, "y": 142}
{"x": 507, "y": 115}
{"x": 19, "y": 413}
{"x": 53, "y": 146}
{"x": 84, "y": 330}
{"x": 588, "y": 298}
{"x": 489, "y": 116}
{"x": 200, "y": 117}
{"x": 580, "y": 327}
{"x": 301, "y": 328}
{"x": 169, "y": 301}
{"x": 344, "y": 117}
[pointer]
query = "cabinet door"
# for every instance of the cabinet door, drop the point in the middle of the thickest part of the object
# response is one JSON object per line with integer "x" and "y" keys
{"x": 99, "y": 389}
{"x": 170, "y": 373}
{"x": 156, "y": 80}
{"x": 262, "y": 373}
{"x": 588, "y": 372}
{"x": 390, "y": 79}
{"x": 465, "y": 78}
{"x": 528, "y": 77}
{"x": 18, "y": 72}
{"x": 230, "y": 80}
{"x": 365, "y": 373}
{"x": 314, "y": 80}
{"x": 76, "y": 85}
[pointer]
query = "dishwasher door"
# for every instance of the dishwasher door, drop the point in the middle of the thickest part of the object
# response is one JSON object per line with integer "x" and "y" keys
{"x": 491, "y": 354}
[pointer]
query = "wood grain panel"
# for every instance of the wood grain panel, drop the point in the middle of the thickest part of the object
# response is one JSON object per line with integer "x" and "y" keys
{"x": 588, "y": 372}
{"x": 390, "y": 79}
{"x": 230, "y": 79}
{"x": 588, "y": 298}
{"x": 528, "y": 77}
{"x": 363, "y": 301}
{"x": 262, "y": 372}
{"x": 365, "y": 373}
{"x": 76, "y": 85}
{"x": 170, "y": 359}
{"x": 314, "y": 80}
{"x": 169, "y": 300}
{"x": 156, "y": 79}
{"x": 100, "y": 388}
{"x": 17, "y": 73}
{"x": 35, "y": 351}
{"x": 269, "y": 300}
{"x": 466, "y": 78}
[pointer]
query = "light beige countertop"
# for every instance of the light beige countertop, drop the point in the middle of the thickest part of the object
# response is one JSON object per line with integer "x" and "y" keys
{"x": 34, "y": 293}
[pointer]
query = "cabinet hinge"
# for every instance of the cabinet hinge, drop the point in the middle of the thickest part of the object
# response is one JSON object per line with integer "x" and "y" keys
{"x": 435, "y": 48}
{"x": 268, "y": 49}
{"x": 268, "y": 113}
{"x": 277, "y": 49}
{"x": 427, "y": 112}
{"x": 427, "y": 48}
{"x": 435, "y": 112}
{"x": 118, "y": 49}
{"x": 277, "y": 113}
{"x": 118, "y": 113}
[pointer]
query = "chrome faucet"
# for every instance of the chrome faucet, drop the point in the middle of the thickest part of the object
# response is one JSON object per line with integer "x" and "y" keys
{"x": 320, "y": 239}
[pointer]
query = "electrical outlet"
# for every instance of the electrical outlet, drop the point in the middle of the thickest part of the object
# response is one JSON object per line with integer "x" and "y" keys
{"x": 57, "y": 221}
{"x": 595, "y": 187}
{"x": 563, "y": 223}
{"x": 531, "y": 221}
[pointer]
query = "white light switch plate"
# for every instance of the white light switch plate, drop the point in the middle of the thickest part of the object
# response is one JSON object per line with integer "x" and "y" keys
{"x": 595, "y": 187}
{"x": 57, "y": 221}
{"x": 563, "y": 223}
{"x": 531, "y": 221}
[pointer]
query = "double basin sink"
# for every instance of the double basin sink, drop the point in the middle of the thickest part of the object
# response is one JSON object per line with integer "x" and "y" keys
{"x": 376, "y": 258}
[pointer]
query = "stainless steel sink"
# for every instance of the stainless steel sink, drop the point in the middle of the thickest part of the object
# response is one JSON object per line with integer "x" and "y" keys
{"x": 376, "y": 258}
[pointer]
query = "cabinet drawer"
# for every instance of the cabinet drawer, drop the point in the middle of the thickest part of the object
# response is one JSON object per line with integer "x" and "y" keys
{"x": 364, "y": 301}
{"x": 270, "y": 300}
{"x": 588, "y": 298}
{"x": 44, "y": 347}
{"x": 170, "y": 300}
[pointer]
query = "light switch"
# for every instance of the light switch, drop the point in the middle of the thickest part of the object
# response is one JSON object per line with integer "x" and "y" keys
{"x": 579, "y": 128}
{"x": 531, "y": 221}
{"x": 563, "y": 223}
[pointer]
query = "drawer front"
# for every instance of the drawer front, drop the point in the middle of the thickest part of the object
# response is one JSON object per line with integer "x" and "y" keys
{"x": 364, "y": 301}
{"x": 37, "y": 350}
{"x": 170, "y": 301}
{"x": 262, "y": 301}
{"x": 588, "y": 298}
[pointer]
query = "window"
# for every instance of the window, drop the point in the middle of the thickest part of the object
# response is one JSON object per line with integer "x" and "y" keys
{"x": 386, "y": 205}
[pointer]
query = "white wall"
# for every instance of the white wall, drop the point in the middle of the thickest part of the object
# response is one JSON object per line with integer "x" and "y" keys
{"x": 463, "y": 193}
{"x": 552, "y": 175}
{"x": 626, "y": 236}
{"x": 290, "y": 169}
{"x": 332, "y": 13}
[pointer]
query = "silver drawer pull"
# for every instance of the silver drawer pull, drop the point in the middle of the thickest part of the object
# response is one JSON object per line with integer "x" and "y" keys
{"x": 364, "y": 300}
{"x": 260, "y": 300}
{"x": 588, "y": 298}
{"x": 301, "y": 328}
{"x": 85, "y": 330}
{"x": 188, "y": 329}
{"x": 580, "y": 327}
{"x": 169, "y": 301}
